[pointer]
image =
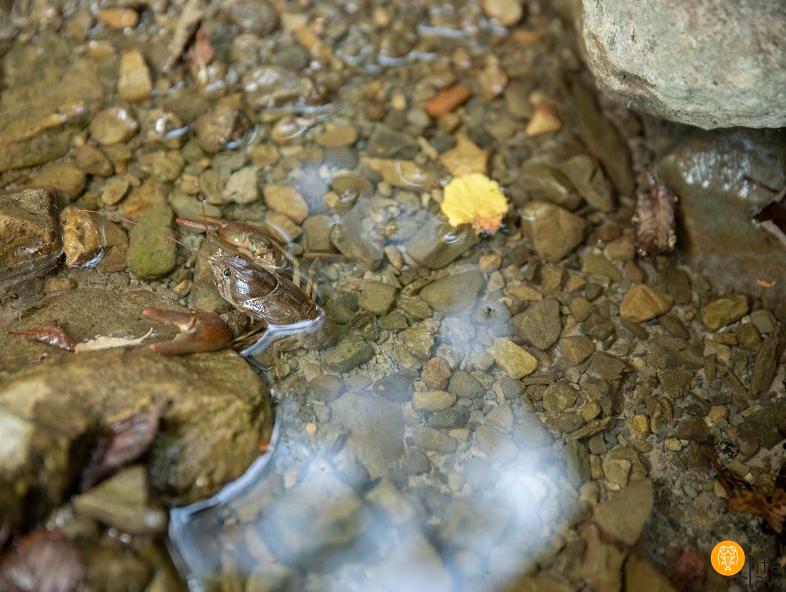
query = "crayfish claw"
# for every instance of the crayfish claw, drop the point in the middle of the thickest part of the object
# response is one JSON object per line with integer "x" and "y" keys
{"x": 199, "y": 331}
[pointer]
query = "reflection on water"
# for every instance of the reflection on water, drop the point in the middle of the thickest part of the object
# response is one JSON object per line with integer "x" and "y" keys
{"x": 373, "y": 490}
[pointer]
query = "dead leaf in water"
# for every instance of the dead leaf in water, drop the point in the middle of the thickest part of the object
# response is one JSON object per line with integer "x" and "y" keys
{"x": 654, "y": 219}
{"x": 128, "y": 439}
{"x": 51, "y": 333}
{"x": 44, "y": 561}
{"x": 477, "y": 200}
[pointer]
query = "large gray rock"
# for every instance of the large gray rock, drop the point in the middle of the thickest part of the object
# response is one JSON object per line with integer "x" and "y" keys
{"x": 709, "y": 63}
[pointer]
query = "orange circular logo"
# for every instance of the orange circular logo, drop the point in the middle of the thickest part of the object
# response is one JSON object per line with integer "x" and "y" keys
{"x": 727, "y": 558}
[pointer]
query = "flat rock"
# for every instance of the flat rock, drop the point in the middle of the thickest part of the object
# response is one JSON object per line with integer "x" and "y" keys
{"x": 377, "y": 297}
{"x": 286, "y": 200}
{"x": 624, "y": 514}
{"x": 724, "y": 311}
{"x": 539, "y": 325}
{"x": 642, "y": 303}
{"x": 513, "y": 359}
{"x": 454, "y": 293}
{"x": 377, "y": 427}
{"x": 658, "y": 60}
{"x": 553, "y": 231}
{"x": 217, "y": 412}
{"x": 350, "y": 352}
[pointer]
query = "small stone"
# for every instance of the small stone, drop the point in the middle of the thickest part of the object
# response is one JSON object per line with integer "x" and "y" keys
{"x": 134, "y": 83}
{"x": 553, "y": 231}
{"x": 242, "y": 186}
{"x": 576, "y": 348}
{"x": 337, "y": 136}
{"x": 623, "y": 515}
{"x": 257, "y": 18}
{"x": 489, "y": 263}
{"x": 118, "y": 18}
{"x": 436, "y": 373}
{"x": 123, "y": 501}
{"x": 597, "y": 264}
{"x": 501, "y": 418}
{"x": 454, "y": 293}
{"x": 764, "y": 367}
{"x": 513, "y": 359}
{"x": 506, "y": 12}
{"x": 387, "y": 143}
{"x": 317, "y": 234}
{"x": 395, "y": 321}
{"x": 675, "y": 381}
{"x": 419, "y": 341}
{"x": 432, "y": 400}
{"x": 543, "y": 121}
{"x": 152, "y": 252}
{"x": 286, "y": 200}
{"x": 377, "y": 297}
{"x": 641, "y": 425}
{"x": 64, "y": 177}
{"x": 672, "y": 444}
{"x": 464, "y": 385}
{"x": 558, "y": 397}
{"x": 617, "y": 471}
{"x": 580, "y": 308}
{"x": 349, "y": 353}
{"x": 433, "y": 439}
{"x": 91, "y": 160}
{"x": 642, "y": 303}
{"x": 724, "y": 311}
{"x": 327, "y": 387}
{"x": 114, "y": 191}
{"x": 539, "y": 325}
{"x": 764, "y": 321}
{"x": 112, "y": 126}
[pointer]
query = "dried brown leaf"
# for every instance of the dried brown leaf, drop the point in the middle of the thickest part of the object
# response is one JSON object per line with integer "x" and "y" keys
{"x": 654, "y": 218}
{"x": 51, "y": 333}
{"x": 128, "y": 439}
{"x": 43, "y": 561}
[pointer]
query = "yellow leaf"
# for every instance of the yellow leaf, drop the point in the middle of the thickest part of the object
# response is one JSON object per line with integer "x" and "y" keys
{"x": 474, "y": 199}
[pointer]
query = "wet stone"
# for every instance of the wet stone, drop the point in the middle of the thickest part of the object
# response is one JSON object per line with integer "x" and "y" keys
{"x": 606, "y": 366}
{"x": 558, "y": 397}
{"x": 454, "y": 293}
{"x": 673, "y": 324}
{"x": 589, "y": 181}
{"x": 287, "y": 201}
{"x": 254, "y": 17}
{"x": 377, "y": 297}
{"x": 676, "y": 283}
{"x": 692, "y": 428}
{"x": 642, "y": 303}
{"x": 539, "y": 325}
{"x": 764, "y": 367}
{"x": 91, "y": 160}
{"x": 432, "y": 400}
{"x": 241, "y": 187}
{"x": 513, "y": 359}
{"x": 317, "y": 234}
{"x": 500, "y": 447}
{"x": 350, "y": 352}
{"x": 327, "y": 387}
{"x": 419, "y": 341}
{"x": 724, "y": 311}
{"x": 597, "y": 264}
{"x": 152, "y": 253}
{"x": 501, "y": 418}
{"x": 395, "y": 321}
{"x": 553, "y": 231}
{"x": 123, "y": 502}
{"x": 357, "y": 237}
{"x": 66, "y": 178}
{"x": 429, "y": 247}
{"x": 675, "y": 381}
{"x": 624, "y": 514}
{"x": 764, "y": 321}
{"x": 464, "y": 385}
{"x": 580, "y": 308}
{"x": 597, "y": 326}
{"x": 112, "y": 126}
{"x": 433, "y": 439}
{"x": 134, "y": 83}
{"x": 748, "y": 336}
{"x": 511, "y": 388}
{"x": 385, "y": 142}
{"x": 376, "y": 425}
{"x": 576, "y": 348}
{"x": 436, "y": 373}
{"x": 394, "y": 387}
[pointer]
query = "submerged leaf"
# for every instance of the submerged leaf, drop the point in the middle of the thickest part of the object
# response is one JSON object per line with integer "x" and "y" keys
{"x": 654, "y": 220}
{"x": 477, "y": 200}
{"x": 105, "y": 342}
{"x": 51, "y": 333}
{"x": 42, "y": 562}
{"x": 128, "y": 439}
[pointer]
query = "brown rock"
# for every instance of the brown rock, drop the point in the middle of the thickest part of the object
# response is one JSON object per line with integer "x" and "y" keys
{"x": 435, "y": 373}
{"x": 642, "y": 303}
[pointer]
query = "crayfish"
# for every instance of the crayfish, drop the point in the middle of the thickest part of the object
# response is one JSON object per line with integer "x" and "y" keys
{"x": 259, "y": 279}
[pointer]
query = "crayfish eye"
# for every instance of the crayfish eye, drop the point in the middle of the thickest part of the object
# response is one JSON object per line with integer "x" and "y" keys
{"x": 227, "y": 273}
